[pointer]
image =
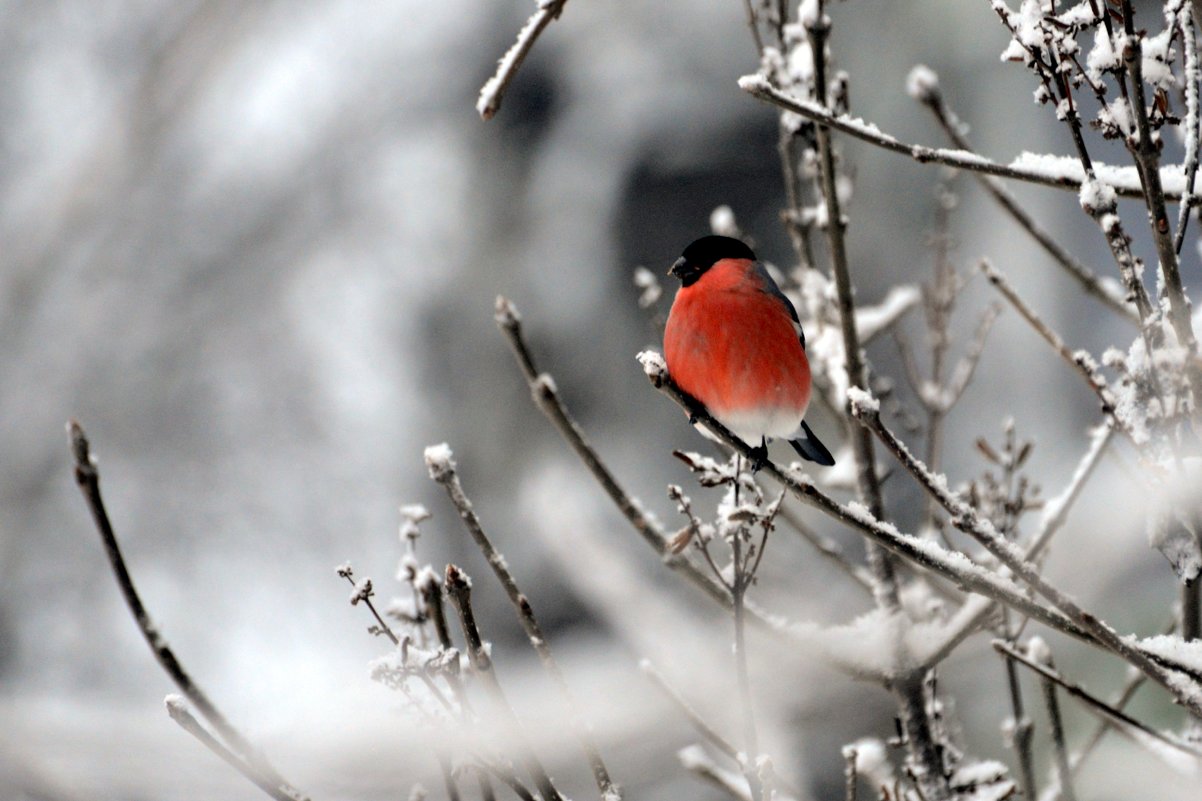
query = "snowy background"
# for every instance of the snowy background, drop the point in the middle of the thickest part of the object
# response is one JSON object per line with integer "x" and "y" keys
{"x": 254, "y": 249}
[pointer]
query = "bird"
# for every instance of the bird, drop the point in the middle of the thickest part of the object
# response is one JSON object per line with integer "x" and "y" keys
{"x": 733, "y": 342}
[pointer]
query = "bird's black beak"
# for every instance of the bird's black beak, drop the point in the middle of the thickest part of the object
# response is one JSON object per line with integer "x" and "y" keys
{"x": 678, "y": 268}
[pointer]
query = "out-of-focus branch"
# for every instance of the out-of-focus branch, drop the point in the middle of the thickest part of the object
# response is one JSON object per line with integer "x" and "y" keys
{"x": 1081, "y": 365}
{"x": 929, "y": 95}
{"x": 459, "y": 587}
{"x": 704, "y": 728}
{"x": 1119, "y": 719}
{"x": 759, "y": 87}
{"x": 966, "y": 519}
{"x": 696, "y": 761}
{"x": 494, "y": 88}
{"x": 178, "y": 710}
{"x": 830, "y": 549}
{"x": 87, "y": 476}
{"x": 443, "y": 470}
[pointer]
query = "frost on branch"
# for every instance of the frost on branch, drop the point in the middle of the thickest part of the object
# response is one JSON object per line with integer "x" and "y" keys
{"x": 440, "y": 461}
{"x": 922, "y": 84}
{"x": 654, "y": 366}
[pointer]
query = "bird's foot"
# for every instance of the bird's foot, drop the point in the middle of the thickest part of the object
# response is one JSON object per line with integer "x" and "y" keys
{"x": 759, "y": 457}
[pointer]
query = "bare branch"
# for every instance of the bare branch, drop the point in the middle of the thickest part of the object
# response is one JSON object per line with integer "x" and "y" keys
{"x": 1147, "y": 155}
{"x": 442, "y": 470}
{"x": 1094, "y": 286}
{"x": 1080, "y": 365}
{"x": 459, "y": 587}
{"x": 1192, "y": 77}
{"x": 494, "y": 88}
{"x": 1117, "y": 718}
{"x": 87, "y": 476}
{"x": 178, "y": 710}
{"x": 953, "y": 566}
{"x": 884, "y": 580}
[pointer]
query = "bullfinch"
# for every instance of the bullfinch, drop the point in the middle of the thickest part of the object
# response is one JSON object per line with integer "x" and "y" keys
{"x": 733, "y": 341}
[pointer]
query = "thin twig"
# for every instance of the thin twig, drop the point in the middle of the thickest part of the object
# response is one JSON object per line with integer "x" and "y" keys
{"x": 443, "y": 471}
{"x": 432, "y": 596}
{"x": 87, "y": 476}
{"x": 178, "y": 710}
{"x": 696, "y": 761}
{"x": 1063, "y": 773}
{"x": 850, "y": 777}
{"x": 830, "y": 549}
{"x": 934, "y": 100}
{"x": 459, "y": 587}
{"x": 1085, "y": 368}
{"x": 494, "y": 88}
{"x": 1024, "y": 729}
{"x": 1121, "y": 720}
{"x": 759, "y": 87}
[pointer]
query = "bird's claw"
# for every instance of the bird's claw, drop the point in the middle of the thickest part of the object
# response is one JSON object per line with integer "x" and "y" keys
{"x": 759, "y": 457}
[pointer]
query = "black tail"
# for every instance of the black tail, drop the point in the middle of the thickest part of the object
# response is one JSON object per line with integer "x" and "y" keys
{"x": 811, "y": 448}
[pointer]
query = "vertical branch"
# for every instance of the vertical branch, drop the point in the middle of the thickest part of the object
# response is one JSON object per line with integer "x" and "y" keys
{"x": 882, "y": 566}
{"x": 1148, "y": 158}
{"x": 1064, "y": 774}
{"x": 738, "y": 593}
{"x": 1023, "y": 731}
{"x": 908, "y": 689}
{"x": 1189, "y": 199}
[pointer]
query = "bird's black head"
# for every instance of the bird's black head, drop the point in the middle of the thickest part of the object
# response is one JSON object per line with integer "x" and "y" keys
{"x": 704, "y": 253}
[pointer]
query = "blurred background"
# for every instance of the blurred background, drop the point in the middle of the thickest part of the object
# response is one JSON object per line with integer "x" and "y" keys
{"x": 254, "y": 249}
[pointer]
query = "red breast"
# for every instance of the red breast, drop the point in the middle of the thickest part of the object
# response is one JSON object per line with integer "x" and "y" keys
{"x": 733, "y": 345}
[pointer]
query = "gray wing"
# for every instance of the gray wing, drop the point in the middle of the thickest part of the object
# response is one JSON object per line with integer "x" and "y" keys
{"x": 772, "y": 289}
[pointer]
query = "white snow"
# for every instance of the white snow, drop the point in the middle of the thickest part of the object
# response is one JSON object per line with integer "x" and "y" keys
{"x": 649, "y": 287}
{"x": 1102, "y": 56}
{"x": 1068, "y": 168}
{"x": 653, "y": 363}
{"x": 872, "y": 320}
{"x": 1096, "y": 196}
{"x": 922, "y": 83}
{"x": 722, "y": 222}
{"x": 439, "y": 460}
{"x": 862, "y": 402}
{"x": 361, "y": 591}
{"x": 1038, "y": 650}
{"x": 1157, "y": 60}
